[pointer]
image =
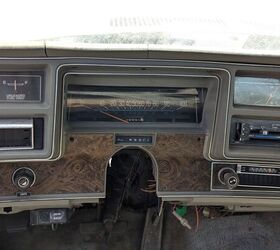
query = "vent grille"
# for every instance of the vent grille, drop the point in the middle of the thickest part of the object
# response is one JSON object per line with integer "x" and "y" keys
{"x": 16, "y": 134}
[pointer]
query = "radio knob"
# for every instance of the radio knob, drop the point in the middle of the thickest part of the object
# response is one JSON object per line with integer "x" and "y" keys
{"x": 228, "y": 177}
{"x": 22, "y": 182}
{"x": 23, "y": 178}
{"x": 231, "y": 180}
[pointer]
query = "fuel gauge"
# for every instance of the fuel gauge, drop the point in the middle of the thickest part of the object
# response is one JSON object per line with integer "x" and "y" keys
{"x": 20, "y": 88}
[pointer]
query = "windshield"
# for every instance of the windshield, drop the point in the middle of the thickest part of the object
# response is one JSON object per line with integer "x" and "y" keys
{"x": 251, "y": 27}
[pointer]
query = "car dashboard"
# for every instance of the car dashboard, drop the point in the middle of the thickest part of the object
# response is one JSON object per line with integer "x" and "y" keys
{"x": 210, "y": 127}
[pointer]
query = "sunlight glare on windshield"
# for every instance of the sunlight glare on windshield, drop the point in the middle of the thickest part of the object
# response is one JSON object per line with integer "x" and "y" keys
{"x": 195, "y": 24}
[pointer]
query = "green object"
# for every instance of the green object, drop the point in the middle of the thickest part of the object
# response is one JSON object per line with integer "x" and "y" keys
{"x": 181, "y": 210}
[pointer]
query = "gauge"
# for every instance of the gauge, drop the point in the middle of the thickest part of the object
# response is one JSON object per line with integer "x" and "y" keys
{"x": 130, "y": 105}
{"x": 20, "y": 88}
{"x": 257, "y": 91}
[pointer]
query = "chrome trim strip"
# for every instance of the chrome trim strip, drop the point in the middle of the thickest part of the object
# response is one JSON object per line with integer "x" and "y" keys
{"x": 16, "y": 123}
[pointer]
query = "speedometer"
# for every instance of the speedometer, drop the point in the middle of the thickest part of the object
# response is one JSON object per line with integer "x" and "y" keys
{"x": 135, "y": 104}
{"x": 20, "y": 88}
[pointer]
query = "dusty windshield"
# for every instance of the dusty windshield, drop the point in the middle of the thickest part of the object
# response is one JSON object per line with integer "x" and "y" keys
{"x": 251, "y": 27}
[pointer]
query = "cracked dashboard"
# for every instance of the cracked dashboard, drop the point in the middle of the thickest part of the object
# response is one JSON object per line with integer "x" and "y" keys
{"x": 212, "y": 129}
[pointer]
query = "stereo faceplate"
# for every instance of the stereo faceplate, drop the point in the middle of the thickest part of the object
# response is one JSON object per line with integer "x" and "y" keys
{"x": 255, "y": 132}
{"x": 244, "y": 177}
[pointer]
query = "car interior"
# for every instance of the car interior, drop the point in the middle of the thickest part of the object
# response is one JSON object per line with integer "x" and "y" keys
{"x": 138, "y": 148}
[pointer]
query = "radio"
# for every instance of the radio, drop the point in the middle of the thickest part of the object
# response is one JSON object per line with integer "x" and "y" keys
{"x": 255, "y": 132}
{"x": 226, "y": 176}
{"x": 21, "y": 134}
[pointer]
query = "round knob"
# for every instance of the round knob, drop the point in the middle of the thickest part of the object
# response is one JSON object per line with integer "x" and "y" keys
{"x": 22, "y": 182}
{"x": 228, "y": 177}
{"x": 231, "y": 180}
{"x": 23, "y": 178}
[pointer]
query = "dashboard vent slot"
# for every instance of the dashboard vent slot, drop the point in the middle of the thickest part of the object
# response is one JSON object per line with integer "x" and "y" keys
{"x": 16, "y": 134}
{"x": 259, "y": 180}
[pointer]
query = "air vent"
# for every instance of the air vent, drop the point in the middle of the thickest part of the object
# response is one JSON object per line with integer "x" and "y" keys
{"x": 16, "y": 134}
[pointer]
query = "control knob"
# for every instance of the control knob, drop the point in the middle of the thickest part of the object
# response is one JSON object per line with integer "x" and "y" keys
{"x": 23, "y": 178}
{"x": 231, "y": 180}
{"x": 228, "y": 177}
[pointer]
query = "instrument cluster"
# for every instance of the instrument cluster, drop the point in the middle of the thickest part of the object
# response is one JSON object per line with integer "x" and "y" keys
{"x": 129, "y": 105}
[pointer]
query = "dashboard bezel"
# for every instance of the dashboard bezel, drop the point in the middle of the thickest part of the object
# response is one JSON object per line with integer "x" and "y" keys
{"x": 222, "y": 71}
{"x": 44, "y": 109}
{"x": 137, "y": 70}
{"x": 253, "y": 153}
